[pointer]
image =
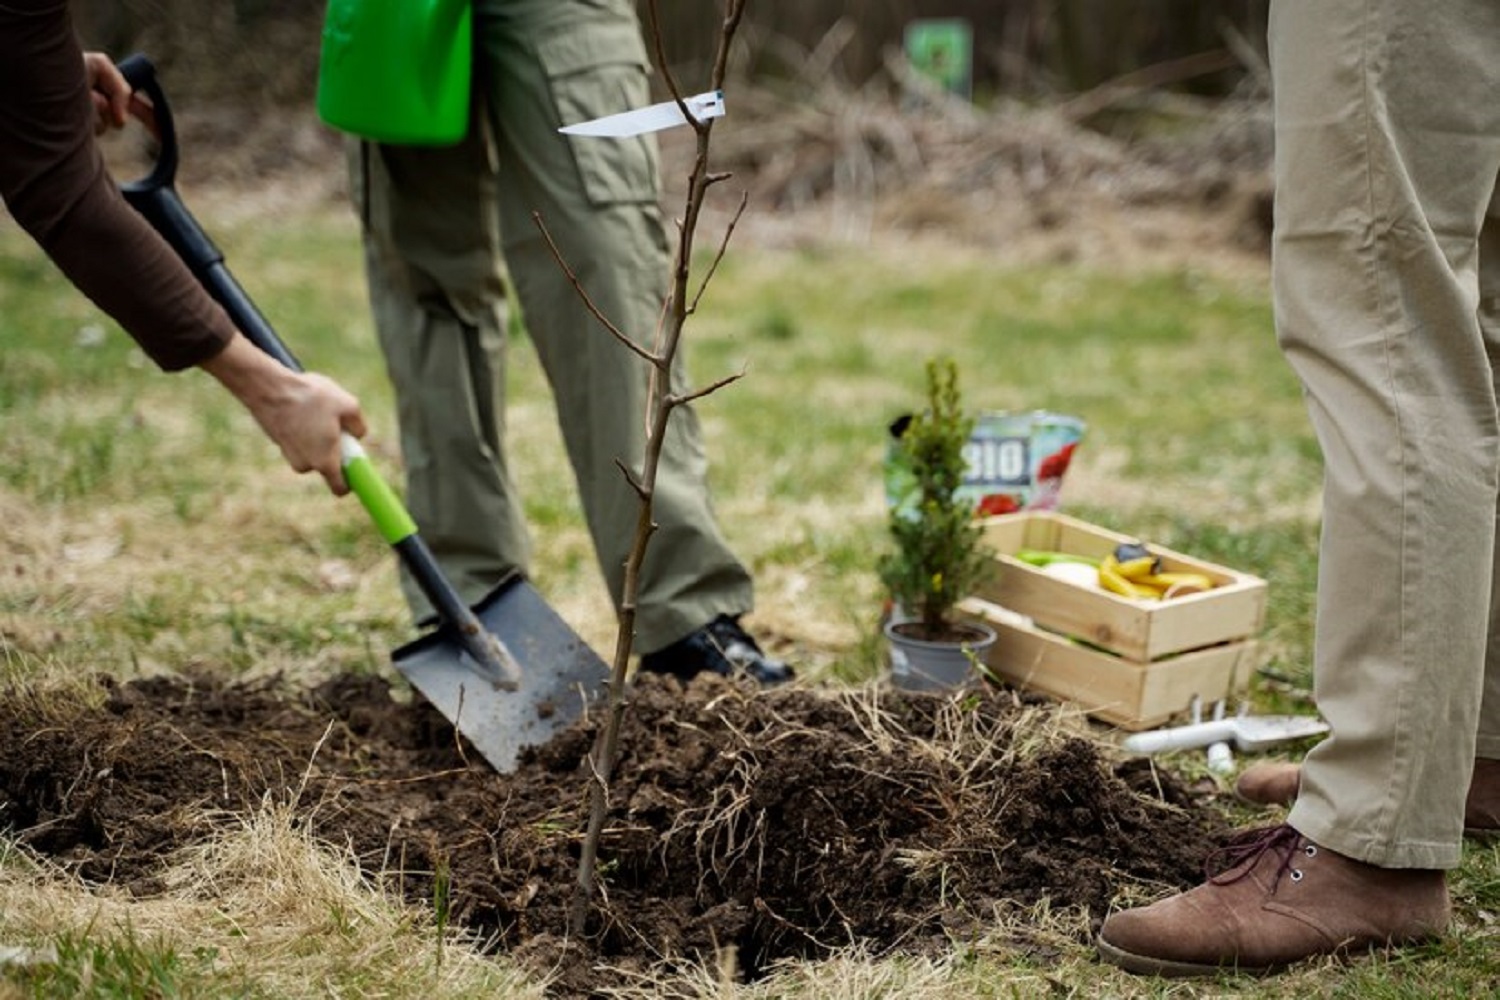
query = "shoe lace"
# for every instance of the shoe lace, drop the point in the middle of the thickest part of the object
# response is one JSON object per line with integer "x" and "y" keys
{"x": 1241, "y": 855}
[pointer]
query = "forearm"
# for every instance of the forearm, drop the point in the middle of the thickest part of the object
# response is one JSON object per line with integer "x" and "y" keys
{"x": 303, "y": 412}
{"x": 251, "y": 376}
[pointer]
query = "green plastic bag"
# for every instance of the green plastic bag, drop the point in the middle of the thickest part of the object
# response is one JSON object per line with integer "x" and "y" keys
{"x": 397, "y": 71}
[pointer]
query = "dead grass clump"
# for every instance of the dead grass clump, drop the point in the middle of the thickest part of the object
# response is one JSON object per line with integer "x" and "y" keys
{"x": 264, "y": 903}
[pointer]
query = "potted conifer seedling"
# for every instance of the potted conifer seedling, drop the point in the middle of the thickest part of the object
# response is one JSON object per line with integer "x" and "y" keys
{"x": 938, "y": 557}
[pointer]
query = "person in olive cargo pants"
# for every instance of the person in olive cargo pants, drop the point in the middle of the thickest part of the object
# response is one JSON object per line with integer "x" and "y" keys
{"x": 442, "y": 228}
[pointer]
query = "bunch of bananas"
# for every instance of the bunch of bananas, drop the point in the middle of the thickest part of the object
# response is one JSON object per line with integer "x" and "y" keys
{"x": 1132, "y": 571}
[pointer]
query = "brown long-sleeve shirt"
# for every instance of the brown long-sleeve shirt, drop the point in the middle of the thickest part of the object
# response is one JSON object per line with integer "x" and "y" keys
{"x": 53, "y": 181}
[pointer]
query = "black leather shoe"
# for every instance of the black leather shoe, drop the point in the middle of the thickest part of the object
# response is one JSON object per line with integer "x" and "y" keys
{"x": 720, "y": 647}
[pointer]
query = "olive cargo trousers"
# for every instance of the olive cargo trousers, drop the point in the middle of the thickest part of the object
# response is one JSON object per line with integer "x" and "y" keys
{"x": 1386, "y": 268}
{"x": 444, "y": 225}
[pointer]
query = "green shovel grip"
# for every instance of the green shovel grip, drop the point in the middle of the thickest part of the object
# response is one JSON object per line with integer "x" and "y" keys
{"x": 384, "y": 507}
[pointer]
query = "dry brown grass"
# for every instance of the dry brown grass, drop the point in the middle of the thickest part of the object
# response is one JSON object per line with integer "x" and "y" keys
{"x": 276, "y": 909}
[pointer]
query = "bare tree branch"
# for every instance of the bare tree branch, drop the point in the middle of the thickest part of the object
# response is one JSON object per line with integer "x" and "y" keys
{"x": 666, "y": 71}
{"x": 707, "y": 390}
{"x": 630, "y": 478}
{"x": 719, "y": 256}
{"x": 588, "y": 303}
{"x": 733, "y": 11}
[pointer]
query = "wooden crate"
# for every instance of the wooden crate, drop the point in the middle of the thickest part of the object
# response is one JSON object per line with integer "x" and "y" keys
{"x": 1135, "y": 664}
{"x": 1137, "y": 630}
{"x": 1126, "y": 693}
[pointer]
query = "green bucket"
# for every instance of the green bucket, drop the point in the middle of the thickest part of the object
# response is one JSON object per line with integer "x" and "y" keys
{"x": 397, "y": 71}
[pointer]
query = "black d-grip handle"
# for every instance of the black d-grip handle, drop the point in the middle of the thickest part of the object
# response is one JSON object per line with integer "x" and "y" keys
{"x": 155, "y": 197}
{"x": 140, "y": 73}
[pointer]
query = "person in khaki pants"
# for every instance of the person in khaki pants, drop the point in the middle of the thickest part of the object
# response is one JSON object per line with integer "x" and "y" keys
{"x": 1386, "y": 275}
{"x": 443, "y": 226}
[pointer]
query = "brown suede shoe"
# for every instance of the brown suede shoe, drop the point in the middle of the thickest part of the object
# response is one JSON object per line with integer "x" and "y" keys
{"x": 1283, "y": 899}
{"x": 1271, "y": 784}
{"x": 1275, "y": 784}
{"x": 1482, "y": 807}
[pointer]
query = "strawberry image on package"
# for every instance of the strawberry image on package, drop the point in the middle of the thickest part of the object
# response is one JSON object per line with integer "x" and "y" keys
{"x": 1016, "y": 461}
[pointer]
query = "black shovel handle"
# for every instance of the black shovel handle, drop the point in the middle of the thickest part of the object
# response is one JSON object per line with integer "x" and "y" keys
{"x": 155, "y": 198}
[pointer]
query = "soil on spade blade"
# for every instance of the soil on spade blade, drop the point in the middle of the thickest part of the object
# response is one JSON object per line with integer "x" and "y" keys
{"x": 785, "y": 822}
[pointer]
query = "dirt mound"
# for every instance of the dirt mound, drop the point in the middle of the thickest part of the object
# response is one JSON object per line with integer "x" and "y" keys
{"x": 786, "y": 823}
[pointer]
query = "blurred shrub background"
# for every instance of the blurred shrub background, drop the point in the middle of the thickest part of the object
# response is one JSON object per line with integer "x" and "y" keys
{"x": 266, "y": 51}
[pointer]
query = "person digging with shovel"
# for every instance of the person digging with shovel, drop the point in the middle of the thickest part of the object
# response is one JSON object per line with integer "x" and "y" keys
{"x": 54, "y": 98}
{"x": 444, "y": 225}
{"x": 1386, "y": 278}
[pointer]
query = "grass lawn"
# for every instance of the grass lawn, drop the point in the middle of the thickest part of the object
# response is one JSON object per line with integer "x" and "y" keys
{"x": 146, "y": 526}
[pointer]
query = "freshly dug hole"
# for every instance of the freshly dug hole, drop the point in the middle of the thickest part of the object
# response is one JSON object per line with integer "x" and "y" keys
{"x": 787, "y": 823}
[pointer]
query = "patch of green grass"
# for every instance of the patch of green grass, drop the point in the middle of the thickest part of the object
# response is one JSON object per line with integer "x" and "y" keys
{"x": 53, "y": 337}
{"x": 145, "y": 616}
{"x": 125, "y": 967}
{"x": 1178, "y": 371}
{"x": 774, "y": 324}
{"x": 75, "y": 456}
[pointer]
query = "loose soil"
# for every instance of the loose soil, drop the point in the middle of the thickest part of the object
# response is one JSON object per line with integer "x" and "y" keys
{"x": 786, "y": 823}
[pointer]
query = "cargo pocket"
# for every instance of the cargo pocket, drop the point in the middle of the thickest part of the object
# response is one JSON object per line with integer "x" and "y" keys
{"x": 598, "y": 71}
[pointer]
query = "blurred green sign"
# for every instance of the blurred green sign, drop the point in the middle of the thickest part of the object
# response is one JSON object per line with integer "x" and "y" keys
{"x": 943, "y": 51}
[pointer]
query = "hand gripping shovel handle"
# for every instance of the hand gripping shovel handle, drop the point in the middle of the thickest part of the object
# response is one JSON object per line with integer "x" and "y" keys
{"x": 155, "y": 197}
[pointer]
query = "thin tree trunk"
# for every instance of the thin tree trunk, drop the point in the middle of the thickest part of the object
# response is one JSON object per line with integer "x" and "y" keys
{"x": 660, "y": 404}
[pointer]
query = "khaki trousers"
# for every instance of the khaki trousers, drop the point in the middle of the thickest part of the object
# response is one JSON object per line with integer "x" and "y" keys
{"x": 1387, "y": 289}
{"x": 443, "y": 227}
